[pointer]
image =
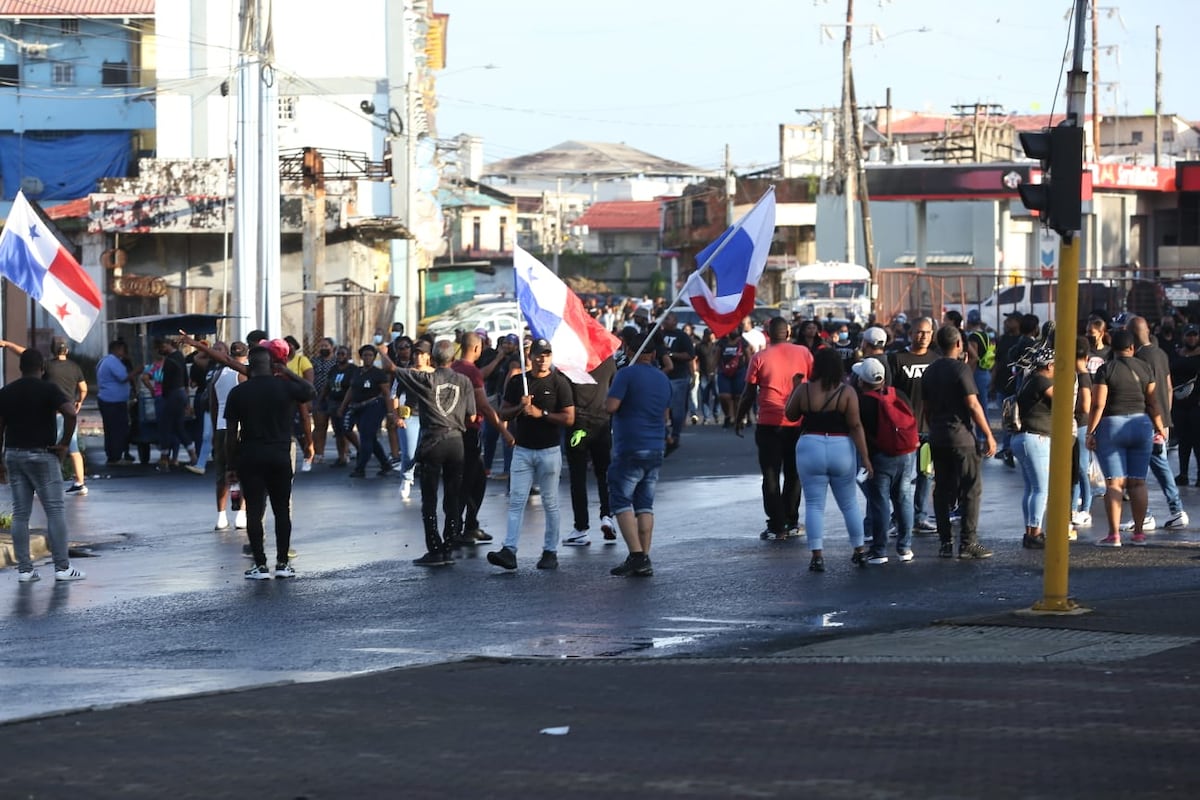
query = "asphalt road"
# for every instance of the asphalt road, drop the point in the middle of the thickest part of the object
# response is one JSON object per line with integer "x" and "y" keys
{"x": 165, "y": 611}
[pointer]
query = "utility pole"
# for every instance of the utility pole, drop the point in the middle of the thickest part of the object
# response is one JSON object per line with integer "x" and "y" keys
{"x": 730, "y": 187}
{"x": 313, "y": 245}
{"x": 1095, "y": 84}
{"x": 1158, "y": 76}
{"x": 845, "y": 140}
{"x": 864, "y": 197}
{"x": 405, "y": 275}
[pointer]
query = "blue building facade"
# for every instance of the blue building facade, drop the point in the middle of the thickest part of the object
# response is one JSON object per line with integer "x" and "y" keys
{"x": 76, "y": 95}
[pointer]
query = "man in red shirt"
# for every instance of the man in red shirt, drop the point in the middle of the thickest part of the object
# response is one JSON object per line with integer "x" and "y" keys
{"x": 769, "y": 379}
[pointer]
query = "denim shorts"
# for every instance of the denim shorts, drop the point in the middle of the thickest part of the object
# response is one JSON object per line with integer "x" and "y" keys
{"x": 731, "y": 385}
{"x": 632, "y": 478}
{"x": 1123, "y": 446}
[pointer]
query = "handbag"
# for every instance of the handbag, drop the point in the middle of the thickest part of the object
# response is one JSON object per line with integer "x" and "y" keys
{"x": 1184, "y": 390}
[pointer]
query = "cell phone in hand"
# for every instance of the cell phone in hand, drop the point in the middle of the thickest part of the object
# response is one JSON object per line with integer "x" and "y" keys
{"x": 862, "y": 475}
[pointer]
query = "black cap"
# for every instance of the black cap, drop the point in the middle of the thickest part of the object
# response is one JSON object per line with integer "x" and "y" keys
{"x": 423, "y": 346}
{"x": 540, "y": 346}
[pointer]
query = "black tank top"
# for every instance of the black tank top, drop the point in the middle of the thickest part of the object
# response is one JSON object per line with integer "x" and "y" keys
{"x": 824, "y": 421}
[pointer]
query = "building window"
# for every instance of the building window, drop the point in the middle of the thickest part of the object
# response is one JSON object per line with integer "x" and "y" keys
{"x": 1168, "y": 135}
{"x": 64, "y": 74}
{"x": 699, "y": 213}
{"x": 647, "y": 240}
{"x": 1137, "y": 137}
{"x": 287, "y": 109}
{"x": 608, "y": 243}
{"x": 69, "y": 26}
{"x": 503, "y": 233}
{"x": 115, "y": 73}
{"x": 10, "y": 75}
{"x": 476, "y": 233}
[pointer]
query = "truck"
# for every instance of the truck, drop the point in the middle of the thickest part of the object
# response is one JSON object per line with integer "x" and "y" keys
{"x": 828, "y": 289}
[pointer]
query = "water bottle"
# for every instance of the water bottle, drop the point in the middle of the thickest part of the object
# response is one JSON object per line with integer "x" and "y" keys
{"x": 235, "y": 492}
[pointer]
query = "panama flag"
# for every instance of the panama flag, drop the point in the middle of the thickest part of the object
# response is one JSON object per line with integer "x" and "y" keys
{"x": 555, "y": 313}
{"x": 737, "y": 259}
{"x": 33, "y": 259}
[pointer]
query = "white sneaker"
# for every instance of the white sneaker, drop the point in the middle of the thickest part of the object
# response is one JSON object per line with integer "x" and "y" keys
{"x": 28, "y": 577}
{"x": 1148, "y": 524}
{"x": 577, "y": 539}
{"x": 257, "y": 573}
{"x": 239, "y": 519}
{"x": 306, "y": 465}
{"x": 1179, "y": 520}
{"x": 1081, "y": 519}
{"x": 926, "y": 525}
{"x": 406, "y": 490}
{"x": 284, "y": 571}
{"x": 608, "y": 526}
{"x": 69, "y": 574}
{"x": 222, "y": 523}
{"x": 195, "y": 469}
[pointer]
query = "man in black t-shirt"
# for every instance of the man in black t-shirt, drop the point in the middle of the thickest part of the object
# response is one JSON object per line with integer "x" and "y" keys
{"x": 446, "y": 401}
{"x": 539, "y": 404}
{"x": 258, "y": 442}
{"x": 953, "y": 414}
{"x": 907, "y": 367}
{"x": 1160, "y": 365}
{"x": 591, "y": 437}
{"x": 32, "y": 462}
{"x": 67, "y": 376}
{"x": 494, "y": 368}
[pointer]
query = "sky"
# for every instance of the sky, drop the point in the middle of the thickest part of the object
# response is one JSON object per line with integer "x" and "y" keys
{"x": 681, "y": 79}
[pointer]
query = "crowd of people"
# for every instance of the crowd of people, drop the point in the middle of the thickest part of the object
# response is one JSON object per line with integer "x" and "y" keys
{"x": 892, "y": 417}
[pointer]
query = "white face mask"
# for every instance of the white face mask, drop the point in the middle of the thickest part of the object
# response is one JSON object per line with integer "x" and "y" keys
{"x": 378, "y": 338}
{"x": 395, "y": 335}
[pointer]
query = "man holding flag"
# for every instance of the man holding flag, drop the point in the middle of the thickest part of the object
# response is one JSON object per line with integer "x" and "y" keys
{"x": 33, "y": 259}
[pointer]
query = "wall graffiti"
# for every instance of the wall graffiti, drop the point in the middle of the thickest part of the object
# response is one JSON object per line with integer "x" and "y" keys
{"x": 112, "y": 213}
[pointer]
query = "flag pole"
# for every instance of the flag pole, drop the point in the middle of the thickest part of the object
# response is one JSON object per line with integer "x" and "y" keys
{"x": 521, "y": 340}
{"x": 737, "y": 226}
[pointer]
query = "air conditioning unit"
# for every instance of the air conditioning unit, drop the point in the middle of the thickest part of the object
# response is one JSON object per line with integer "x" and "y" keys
{"x": 36, "y": 50}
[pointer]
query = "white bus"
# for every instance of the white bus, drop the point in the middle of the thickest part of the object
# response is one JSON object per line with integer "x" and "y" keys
{"x": 829, "y": 288}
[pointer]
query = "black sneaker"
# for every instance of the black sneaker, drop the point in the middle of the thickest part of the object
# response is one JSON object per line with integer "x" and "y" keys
{"x": 859, "y": 559}
{"x": 433, "y": 558}
{"x": 635, "y": 565}
{"x": 479, "y": 535}
{"x": 876, "y": 557}
{"x": 975, "y": 550}
{"x": 504, "y": 557}
{"x": 946, "y": 550}
{"x": 1037, "y": 542}
{"x": 817, "y": 564}
{"x": 549, "y": 560}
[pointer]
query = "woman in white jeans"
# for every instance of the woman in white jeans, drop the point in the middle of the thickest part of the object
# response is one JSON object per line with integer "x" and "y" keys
{"x": 825, "y": 454}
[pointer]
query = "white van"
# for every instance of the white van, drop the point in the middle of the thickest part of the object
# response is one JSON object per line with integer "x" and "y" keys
{"x": 1037, "y": 297}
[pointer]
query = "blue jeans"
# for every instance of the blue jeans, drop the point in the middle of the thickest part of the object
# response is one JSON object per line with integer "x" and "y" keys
{"x": 680, "y": 387}
{"x": 829, "y": 462}
{"x": 891, "y": 488}
{"x": 1032, "y": 451}
{"x": 632, "y": 478}
{"x": 1166, "y": 478}
{"x": 408, "y": 445}
{"x": 37, "y": 472}
{"x": 922, "y": 496}
{"x": 1123, "y": 445}
{"x": 708, "y": 397}
{"x": 368, "y": 419}
{"x": 1081, "y": 492}
{"x": 529, "y": 466}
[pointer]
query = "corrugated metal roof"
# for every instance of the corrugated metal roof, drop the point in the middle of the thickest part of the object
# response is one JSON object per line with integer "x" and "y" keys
{"x": 77, "y": 8}
{"x": 594, "y": 160}
{"x": 622, "y": 215}
{"x": 466, "y": 198}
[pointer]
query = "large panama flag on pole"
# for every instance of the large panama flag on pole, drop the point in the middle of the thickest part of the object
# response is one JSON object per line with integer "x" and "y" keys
{"x": 555, "y": 313}
{"x": 34, "y": 260}
{"x": 737, "y": 259}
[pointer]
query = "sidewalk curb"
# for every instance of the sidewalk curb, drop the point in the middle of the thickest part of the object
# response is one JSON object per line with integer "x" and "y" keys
{"x": 37, "y": 548}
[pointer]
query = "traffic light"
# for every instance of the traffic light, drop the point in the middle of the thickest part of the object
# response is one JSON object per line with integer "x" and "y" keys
{"x": 1058, "y": 198}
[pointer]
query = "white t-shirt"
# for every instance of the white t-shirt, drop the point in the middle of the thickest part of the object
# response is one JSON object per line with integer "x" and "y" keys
{"x": 226, "y": 379}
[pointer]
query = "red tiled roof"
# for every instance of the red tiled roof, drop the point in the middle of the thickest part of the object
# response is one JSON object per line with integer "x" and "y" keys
{"x": 917, "y": 123}
{"x": 937, "y": 124}
{"x": 76, "y": 8}
{"x": 622, "y": 215}
{"x": 72, "y": 209}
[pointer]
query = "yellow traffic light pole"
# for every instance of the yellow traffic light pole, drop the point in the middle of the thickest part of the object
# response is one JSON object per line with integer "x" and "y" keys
{"x": 1058, "y": 510}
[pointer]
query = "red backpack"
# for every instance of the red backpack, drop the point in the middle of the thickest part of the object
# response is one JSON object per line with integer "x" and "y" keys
{"x": 896, "y": 426}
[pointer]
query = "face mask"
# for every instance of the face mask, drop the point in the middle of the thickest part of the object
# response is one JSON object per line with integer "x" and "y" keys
{"x": 325, "y": 353}
{"x": 378, "y": 339}
{"x": 395, "y": 335}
